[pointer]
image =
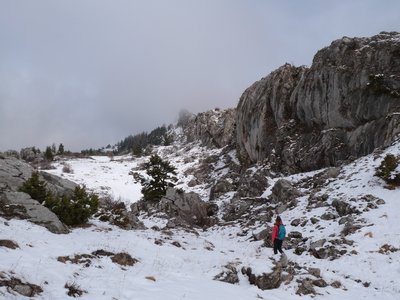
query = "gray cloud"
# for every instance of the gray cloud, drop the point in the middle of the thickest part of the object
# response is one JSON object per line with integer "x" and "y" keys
{"x": 88, "y": 73}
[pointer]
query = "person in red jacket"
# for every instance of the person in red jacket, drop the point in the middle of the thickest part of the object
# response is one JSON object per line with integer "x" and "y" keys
{"x": 275, "y": 236}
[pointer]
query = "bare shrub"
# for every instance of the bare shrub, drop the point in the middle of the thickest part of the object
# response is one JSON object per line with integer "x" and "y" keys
{"x": 109, "y": 203}
{"x": 74, "y": 290}
{"x": 45, "y": 165}
{"x": 67, "y": 169}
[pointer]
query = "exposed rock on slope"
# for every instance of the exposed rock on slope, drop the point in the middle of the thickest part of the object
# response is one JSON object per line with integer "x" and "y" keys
{"x": 13, "y": 173}
{"x": 262, "y": 110}
{"x": 213, "y": 128}
{"x": 344, "y": 106}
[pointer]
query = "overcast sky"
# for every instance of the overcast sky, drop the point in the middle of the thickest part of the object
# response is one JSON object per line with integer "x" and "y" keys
{"x": 87, "y": 73}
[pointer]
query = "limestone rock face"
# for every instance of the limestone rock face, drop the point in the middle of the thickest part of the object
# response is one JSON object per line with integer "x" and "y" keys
{"x": 214, "y": 128}
{"x": 13, "y": 173}
{"x": 263, "y": 108}
{"x": 344, "y": 106}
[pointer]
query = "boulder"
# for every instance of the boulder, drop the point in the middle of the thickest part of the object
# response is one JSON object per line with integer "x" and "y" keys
{"x": 58, "y": 185}
{"x": 315, "y": 272}
{"x": 284, "y": 192}
{"x": 266, "y": 281}
{"x": 343, "y": 208}
{"x": 15, "y": 204}
{"x": 22, "y": 206}
{"x": 183, "y": 209}
{"x": 317, "y": 244}
{"x": 350, "y": 228}
{"x": 221, "y": 187}
{"x": 13, "y": 173}
{"x": 252, "y": 183}
{"x": 263, "y": 234}
{"x": 229, "y": 275}
{"x": 306, "y": 287}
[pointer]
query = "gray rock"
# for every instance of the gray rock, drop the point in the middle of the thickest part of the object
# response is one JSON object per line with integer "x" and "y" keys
{"x": 221, "y": 187}
{"x": 30, "y": 154}
{"x": 262, "y": 110}
{"x": 13, "y": 173}
{"x": 306, "y": 287}
{"x": 317, "y": 244}
{"x": 269, "y": 281}
{"x": 327, "y": 252}
{"x": 284, "y": 192}
{"x": 183, "y": 209}
{"x": 58, "y": 185}
{"x": 347, "y": 219}
{"x": 229, "y": 275}
{"x": 336, "y": 284}
{"x": 23, "y": 289}
{"x": 214, "y": 128}
{"x": 261, "y": 235}
{"x": 295, "y": 235}
{"x": 21, "y": 205}
{"x": 343, "y": 208}
{"x": 350, "y": 228}
{"x": 315, "y": 272}
{"x": 295, "y": 222}
{"x": 328, "y": 216}
{"x": 320, "y": 283}
{"x": 342, "y": 107}
{"x": 252, "y": 184}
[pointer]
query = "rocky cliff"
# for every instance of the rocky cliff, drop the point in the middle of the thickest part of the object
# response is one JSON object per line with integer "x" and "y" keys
{"x": 214, "y": 128}
{"x": 344, "y": 106}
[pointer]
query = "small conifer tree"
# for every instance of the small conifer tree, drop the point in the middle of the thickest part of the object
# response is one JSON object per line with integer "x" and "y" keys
{"x": 72, "y": 209}
{"x": 48, "y": 154}
{"x": 160, "y": 176}
{"x": 60, "y": 149}
{"x": 35, "y": 187}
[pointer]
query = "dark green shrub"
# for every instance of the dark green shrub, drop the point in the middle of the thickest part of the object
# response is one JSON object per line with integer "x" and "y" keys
{"x": 160, "y": 176}
{"x": 71, "y": 210}
{"x": 35, "y": 187}
{"x": 76, "y": 209}
{"x": 387, "y": 170}
{"x": 48, "y": 154}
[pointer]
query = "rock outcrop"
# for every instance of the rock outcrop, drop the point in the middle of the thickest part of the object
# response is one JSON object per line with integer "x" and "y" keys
{"x": 344, "y": 106}
{"x": 182, "y": 209}
{"x": 214, "y": 128}
{"x": 15, "y": 204}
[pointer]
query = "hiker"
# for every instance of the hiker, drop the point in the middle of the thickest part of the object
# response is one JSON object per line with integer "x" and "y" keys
{"x": 278, "y": 234}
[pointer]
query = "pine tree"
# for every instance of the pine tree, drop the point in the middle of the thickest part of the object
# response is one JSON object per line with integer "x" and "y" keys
{"x": 53, "y": 149}
{"x": 137, "y": 150}
{"x": 160, "y": 176}
{"x": 48, "y": 154}
{"x": 36, "y": 188}
{"x": 60, "y": 149}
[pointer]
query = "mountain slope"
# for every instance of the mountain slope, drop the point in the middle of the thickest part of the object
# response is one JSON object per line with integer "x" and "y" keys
{"x": 183, "y": 263}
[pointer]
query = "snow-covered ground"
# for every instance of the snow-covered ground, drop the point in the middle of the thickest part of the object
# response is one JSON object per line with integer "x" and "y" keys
{"x": 168, "y": 272}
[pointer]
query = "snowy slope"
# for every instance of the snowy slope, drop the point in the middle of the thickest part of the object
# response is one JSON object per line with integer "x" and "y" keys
{"x": 187, "y": 272}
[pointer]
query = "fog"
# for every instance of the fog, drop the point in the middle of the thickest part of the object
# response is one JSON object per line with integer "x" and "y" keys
{"x": 88, "y": 73}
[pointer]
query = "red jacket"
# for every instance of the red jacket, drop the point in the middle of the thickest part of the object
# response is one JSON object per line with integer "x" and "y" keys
{"x": 275, "y": 231}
